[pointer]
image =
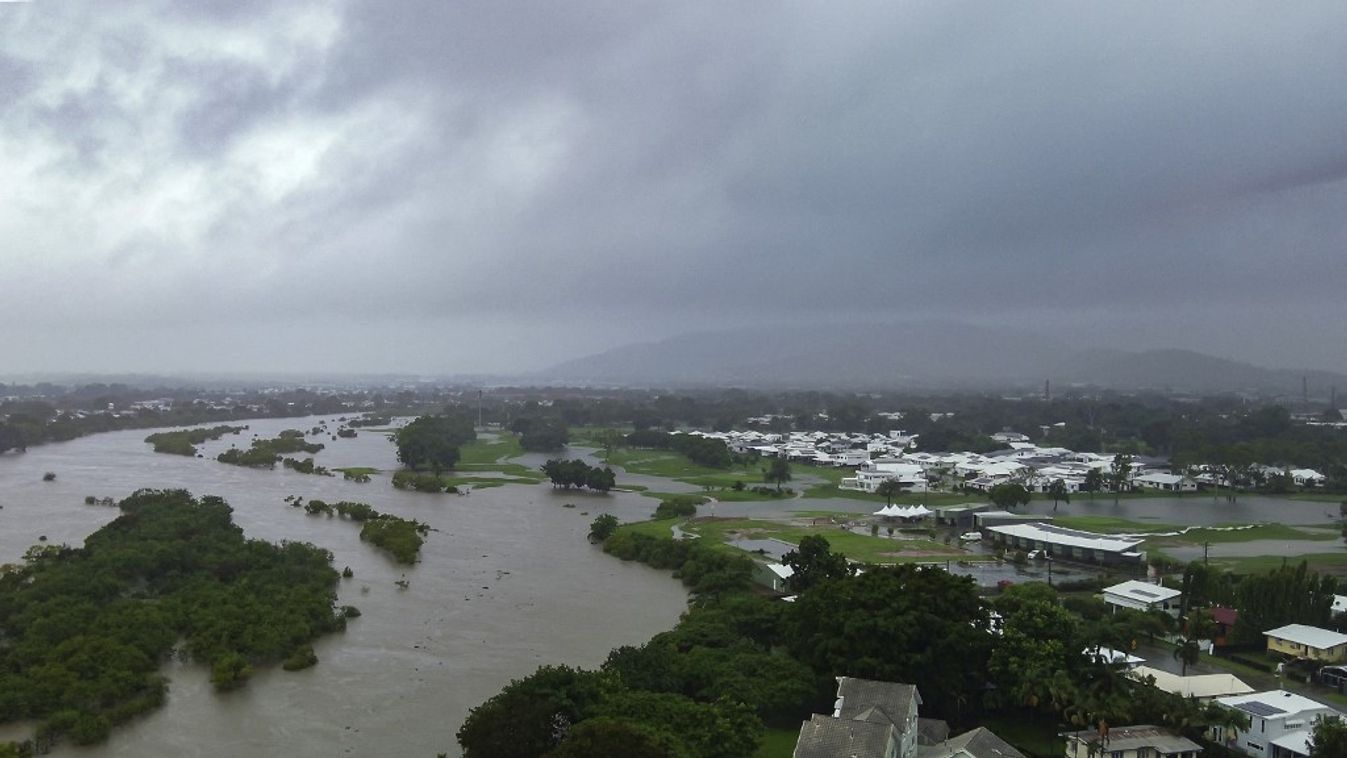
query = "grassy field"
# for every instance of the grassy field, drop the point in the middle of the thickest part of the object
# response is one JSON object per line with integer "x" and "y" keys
{"x": 778, "y": 743}
{"x": 1260, "y": 532}
{"x": 661, "y": 528}
{"x": 1328, "y": 563}
{"x": 858, "y": 547}
{"x": 1111, "y": 525}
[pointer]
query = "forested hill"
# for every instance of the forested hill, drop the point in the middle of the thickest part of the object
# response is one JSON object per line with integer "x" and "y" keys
{"x": 919, "y": 356}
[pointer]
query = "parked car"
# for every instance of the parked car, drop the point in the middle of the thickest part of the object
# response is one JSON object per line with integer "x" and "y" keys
{"x": 1036, "y": 554}
{"x": 970, "y": 536}
{"x": 1333, "y": 676}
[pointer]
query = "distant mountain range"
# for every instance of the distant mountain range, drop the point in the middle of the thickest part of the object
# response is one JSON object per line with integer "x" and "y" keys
{"x": 923, "y": 355}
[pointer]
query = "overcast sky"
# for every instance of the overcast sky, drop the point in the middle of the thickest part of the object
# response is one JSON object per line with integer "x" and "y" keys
{"x": 497, "y": 186}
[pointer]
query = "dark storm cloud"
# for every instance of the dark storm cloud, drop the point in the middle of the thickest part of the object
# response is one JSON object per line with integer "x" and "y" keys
{"x": 1140, "y": 174}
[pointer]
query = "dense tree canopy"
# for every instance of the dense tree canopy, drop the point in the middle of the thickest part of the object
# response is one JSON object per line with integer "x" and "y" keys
{"x": 904, "y": 623}
{"x": 814, "y": 562}
{"x": 87, "y": 628}
{"x": 432, "y": 442}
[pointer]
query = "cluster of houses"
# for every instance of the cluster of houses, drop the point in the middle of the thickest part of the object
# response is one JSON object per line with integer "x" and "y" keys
{"x": 878, "y": 458}
{"x": 872, "y": 719}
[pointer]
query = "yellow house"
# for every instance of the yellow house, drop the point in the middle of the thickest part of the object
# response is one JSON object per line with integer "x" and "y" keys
{"x": 1302, "y": 641}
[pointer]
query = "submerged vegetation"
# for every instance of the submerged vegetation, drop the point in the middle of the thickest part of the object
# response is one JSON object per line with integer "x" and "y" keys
{"x": 411, "y": 480}
{"x": 184, "y": 441}
{"x": 266, "y": 453}
{"x": 305, "y": 466}
{"x": 86, "y": 629}
{"x": 399, "y": 537}
{"x": 577, "y": 473}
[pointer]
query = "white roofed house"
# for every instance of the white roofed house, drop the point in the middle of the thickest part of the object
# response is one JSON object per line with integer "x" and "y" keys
{"x": 1165, "y": 482}
{"x": 1306, "y": 477}
{"x": 1280, "y": 723}
{"x": 1143, "y": 596}
{"x": 1065, "y": 544}
{"x": 873, "y": 473}
{"x": 1304, "y": 641}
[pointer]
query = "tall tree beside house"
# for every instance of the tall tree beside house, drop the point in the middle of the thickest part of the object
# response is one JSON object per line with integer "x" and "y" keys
{"x": 1094, "y": 481}
{"x": 890, "y": 489}
{"x": 813, "y": 561}
{"x": 1058, "y": 492}
{"x": 906, "y": 623}
{"x": 778, "y": 471}
{"x": 1285, "y": 595}
{"x": 1329, "y": 738}
{"x": 1120, "y": 473}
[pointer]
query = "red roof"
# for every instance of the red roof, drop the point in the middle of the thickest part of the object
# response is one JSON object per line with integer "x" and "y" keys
{"x": 1225, "y": 616}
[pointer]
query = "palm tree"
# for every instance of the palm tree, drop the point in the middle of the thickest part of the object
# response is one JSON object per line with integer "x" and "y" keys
{"x": 1187, "y": 654}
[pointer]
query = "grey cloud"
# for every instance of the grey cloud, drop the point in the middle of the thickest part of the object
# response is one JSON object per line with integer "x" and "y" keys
{"x": 637, "y": 169}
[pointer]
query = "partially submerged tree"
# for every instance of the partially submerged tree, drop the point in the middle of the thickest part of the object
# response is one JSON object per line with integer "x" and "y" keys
{"x": 778, "y": 471}
{"x": 1057, "y": 491}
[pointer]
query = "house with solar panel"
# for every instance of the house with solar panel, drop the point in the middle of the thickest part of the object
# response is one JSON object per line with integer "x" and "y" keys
{"x": 1304, "y": 641}
{"x": 1280, "y": 723}
{"x": 1143, "y": 596}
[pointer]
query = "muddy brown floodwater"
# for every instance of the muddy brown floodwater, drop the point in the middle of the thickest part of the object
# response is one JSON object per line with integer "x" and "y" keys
{"x": 506, "y": 583}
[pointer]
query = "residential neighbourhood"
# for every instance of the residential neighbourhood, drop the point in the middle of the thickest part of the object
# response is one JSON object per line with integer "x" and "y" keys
{"x": 896, "y": 456}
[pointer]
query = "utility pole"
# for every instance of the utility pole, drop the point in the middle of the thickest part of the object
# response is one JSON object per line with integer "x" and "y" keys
{"x": 1205, "y": 547}
{"x": 479, "y": 409}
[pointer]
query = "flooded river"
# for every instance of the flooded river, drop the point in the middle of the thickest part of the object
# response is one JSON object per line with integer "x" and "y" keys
{"x": 506, "y": 583}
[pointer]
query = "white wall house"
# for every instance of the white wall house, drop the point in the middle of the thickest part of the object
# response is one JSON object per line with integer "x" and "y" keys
{"x": 1274, "y": 716}
{"x": 869, "y": 476}
{"x": 1306, "y": 477}
{"x": 1165, "y": 482}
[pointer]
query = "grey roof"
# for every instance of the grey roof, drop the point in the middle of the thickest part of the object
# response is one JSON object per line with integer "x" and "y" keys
{"x": 931, "y": 731}
{"x": 977, "y": 743}
{"x": 1163, "y": 741}
{"x": 876, "y": 702}
{"x": 826, "y": 737}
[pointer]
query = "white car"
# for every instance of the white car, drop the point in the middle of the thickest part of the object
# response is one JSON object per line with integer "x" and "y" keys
{"x": 970, "y": 536}
{"x": 1035, "y": 555}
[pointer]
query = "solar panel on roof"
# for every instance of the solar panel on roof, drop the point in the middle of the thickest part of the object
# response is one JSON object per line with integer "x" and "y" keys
{"x": 1144, "y": 593}
{"x": 1259, "y": 708}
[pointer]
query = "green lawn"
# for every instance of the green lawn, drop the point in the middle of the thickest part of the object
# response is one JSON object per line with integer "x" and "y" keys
{"x": 1111, "y": 525}
{"x": 1332, "y": 563}
{"x": 1260, "y": 532}
{"x": 858, "y": 547}
{"x": 778, "y": 743}
{"x": 661, "y": 528}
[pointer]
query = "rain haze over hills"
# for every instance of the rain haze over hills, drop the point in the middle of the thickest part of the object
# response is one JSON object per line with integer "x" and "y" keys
{"x": 434, "y": 188}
